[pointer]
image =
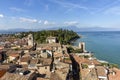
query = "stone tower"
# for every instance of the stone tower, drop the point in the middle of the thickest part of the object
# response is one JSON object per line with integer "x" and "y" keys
{"x": 82, "y": 46}
{"x": 30, "y": 40}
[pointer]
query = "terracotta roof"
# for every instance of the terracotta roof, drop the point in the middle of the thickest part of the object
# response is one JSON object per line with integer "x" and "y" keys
{"x": 46, "y": 61}
{"x": 42, "y": 79}
{"x": 11, "y": 76}
{"x": 66, "y": 55}
{"x": 33, "y": 61}
{"x": 116, "y": 76}
{"x": 85, "y": 72}
{"x": 101, "y": 71}
{"x": 25, "y": 59}
{"x": 89, "y": 62}
{"x": 61, "y": 65}
{"x": 68, "y": 61}
{"x": 85, "y": 60}
{"x": 96, "y": 62}
{"x": 55, "y": 76}
{"x": 13, "y": 53}
{"x": 1, "y": 47}
{"x": 4, "y": 66}
{"x": 2, "y": 72}
{"x": 46, "y": 48}
{"x": 89, "y": 74}
{"x": 58, "y": 54}
{"x": 79, "y": 59}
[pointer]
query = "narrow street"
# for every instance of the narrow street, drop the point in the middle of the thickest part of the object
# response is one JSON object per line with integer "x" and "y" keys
{"x": 74, "y": 74}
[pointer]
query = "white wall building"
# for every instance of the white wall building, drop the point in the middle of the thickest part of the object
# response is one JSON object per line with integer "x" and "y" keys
{"x": 51, "y": 40}
{"x": 30, "y": 40}
{"x": 82, "y": 46}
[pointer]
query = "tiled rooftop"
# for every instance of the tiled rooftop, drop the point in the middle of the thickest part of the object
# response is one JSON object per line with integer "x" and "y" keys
{"x": 2, "y": 72}
{"x": 101, "y": 71}
{"x": 116, "y": 76}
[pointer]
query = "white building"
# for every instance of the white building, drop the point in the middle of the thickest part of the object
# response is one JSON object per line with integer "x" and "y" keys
{"x": 51, "y": 40}
{"x": 30, "y": 40}
{"x": 82, "y": 46}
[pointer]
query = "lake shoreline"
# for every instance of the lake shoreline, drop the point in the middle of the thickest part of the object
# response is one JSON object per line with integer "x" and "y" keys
{"x": 96, "y": 53}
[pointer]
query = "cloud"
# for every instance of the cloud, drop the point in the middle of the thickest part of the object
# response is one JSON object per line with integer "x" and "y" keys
{"x": 113, "y": 10}
{"x": 28, "y": 2}
{"x": 28, "y": 20}
{"x": 105, "y": 9}
{"x": 1, "y": 15}
{"x": 71, "y": 23}
{"x": 70, "y": 6}
{"x": 17, "y": 9}
{"x": 48, "y": 23}
{"x": 39, "y": 21}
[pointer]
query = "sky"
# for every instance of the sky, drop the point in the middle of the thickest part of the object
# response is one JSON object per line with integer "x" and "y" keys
{"x": 37, "y": 14}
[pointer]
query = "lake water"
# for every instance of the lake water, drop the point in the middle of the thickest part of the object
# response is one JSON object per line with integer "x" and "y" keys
{"x": 104, "y": 45}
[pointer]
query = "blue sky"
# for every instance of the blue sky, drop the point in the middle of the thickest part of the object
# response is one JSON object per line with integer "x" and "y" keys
{"x": 34, "y": 14}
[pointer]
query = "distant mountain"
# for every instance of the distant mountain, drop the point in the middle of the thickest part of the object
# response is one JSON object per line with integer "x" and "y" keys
{"x": 77, "y": 29}
{"x": 74, "y": 28}
{"x": 98, "y": 29}
{"x": 10, "y": 31}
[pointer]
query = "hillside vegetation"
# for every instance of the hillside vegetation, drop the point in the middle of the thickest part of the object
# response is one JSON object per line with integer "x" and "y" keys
{"x": 63, "y": 36}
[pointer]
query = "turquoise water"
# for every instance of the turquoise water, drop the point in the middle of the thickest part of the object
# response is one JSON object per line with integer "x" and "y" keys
{"x": 104, "y": 45}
